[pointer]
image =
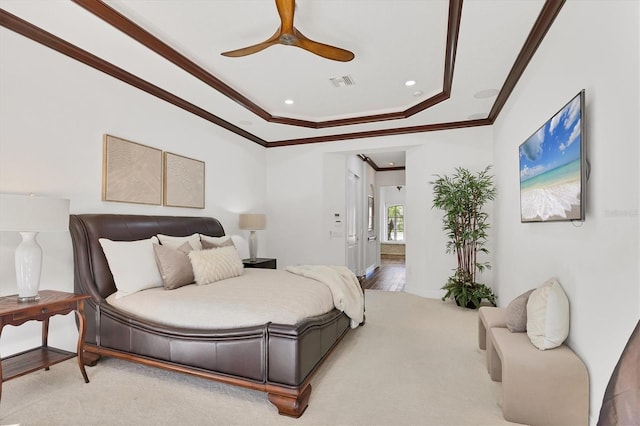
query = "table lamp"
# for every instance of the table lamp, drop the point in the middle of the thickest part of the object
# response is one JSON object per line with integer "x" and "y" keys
{"x": 30, "y": 214}
{"x": 253, "y": 222}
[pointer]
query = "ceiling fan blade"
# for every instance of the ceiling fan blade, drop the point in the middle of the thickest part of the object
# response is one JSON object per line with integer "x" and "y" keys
{"x": 254, "y": 48}
{"x": 288, "y": 35}
{"x": 249, "y": 49}
{"x": 321, "y": 49}
{"x": 286, "y": 9}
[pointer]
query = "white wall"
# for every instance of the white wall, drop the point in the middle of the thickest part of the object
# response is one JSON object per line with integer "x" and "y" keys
{"x": 296, "y": 206}
{"x": 390, "y": 178}
{"x": 53, "y": 113}
{"x": 427, "y": 264}
{"x": 393, "y": 194}
{"x": 593, "y": 45}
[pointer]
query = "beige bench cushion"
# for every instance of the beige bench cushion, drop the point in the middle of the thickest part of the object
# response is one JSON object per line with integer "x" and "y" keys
{"x": 540, "y": 387}
{"x": 489, "y": 317}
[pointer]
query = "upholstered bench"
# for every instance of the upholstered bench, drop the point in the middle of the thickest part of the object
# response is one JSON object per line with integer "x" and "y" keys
{"x": 549, "y": 387}
{"x": 488, "y": 318}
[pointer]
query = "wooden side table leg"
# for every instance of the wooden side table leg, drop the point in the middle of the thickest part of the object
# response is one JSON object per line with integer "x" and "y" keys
{"x": 80, "y": 349}
{"x": 45, "y": 335}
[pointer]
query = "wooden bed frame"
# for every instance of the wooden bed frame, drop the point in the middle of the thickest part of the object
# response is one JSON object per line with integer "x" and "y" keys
{"x": 274, "y": 358}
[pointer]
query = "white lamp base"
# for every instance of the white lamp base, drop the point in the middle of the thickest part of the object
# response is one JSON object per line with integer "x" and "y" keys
{"x": 28, "y": 260}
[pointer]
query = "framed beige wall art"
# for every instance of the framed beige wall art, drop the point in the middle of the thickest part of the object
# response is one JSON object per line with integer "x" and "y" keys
{"x": 131, "y": 172}
{"x": 183, "y": 181}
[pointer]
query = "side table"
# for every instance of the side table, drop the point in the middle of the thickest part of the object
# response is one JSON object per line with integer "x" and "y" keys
{"x": 260, "y": 262}
{"x": 17, "y": 313}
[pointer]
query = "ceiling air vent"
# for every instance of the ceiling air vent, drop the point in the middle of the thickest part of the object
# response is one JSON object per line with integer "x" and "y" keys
{"x": 345, "y": 80}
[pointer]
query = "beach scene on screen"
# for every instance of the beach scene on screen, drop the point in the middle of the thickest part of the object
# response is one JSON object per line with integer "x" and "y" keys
{"x": 550, "y": 168}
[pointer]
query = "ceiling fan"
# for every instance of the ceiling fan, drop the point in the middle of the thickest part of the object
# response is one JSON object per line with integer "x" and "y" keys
{"x": 289, "y": 35}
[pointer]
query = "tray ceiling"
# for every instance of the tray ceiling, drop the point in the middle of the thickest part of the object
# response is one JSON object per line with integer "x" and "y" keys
{"x": 464, "y": 57}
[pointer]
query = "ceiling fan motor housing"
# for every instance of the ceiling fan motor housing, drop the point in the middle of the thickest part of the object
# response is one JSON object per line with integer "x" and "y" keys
{"x": 288, "y": 39}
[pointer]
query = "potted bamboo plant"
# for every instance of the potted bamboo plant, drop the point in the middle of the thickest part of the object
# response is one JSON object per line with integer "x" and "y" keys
{"x": 462, "y": 197}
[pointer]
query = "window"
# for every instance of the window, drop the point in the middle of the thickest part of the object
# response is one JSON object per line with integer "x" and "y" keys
{"x": 395, "y": 223}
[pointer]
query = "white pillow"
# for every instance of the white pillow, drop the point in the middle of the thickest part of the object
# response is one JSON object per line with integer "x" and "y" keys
{"x": 132, "y": 264}
{"x": 175, "y": 242}
{"x": 242, "y": 245}
{"x": 215, "y": 264}
{"x": 548, "y": 315}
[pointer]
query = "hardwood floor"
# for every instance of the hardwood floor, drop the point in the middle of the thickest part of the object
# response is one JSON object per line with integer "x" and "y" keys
{"x": 390, "y": 276}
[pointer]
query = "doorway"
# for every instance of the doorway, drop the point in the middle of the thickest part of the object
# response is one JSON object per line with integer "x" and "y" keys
{"x": 369, "y": 191}
{"x": 391, "y": 274}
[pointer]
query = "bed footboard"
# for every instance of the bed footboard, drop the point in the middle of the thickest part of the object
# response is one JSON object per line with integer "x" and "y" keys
{"x": 303, "y": 346}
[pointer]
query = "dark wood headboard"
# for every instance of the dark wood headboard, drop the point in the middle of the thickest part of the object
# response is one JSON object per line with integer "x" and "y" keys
{"x": 91, "y": 272}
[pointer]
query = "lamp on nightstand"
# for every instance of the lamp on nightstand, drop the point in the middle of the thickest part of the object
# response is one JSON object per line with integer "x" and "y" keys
{"x": 253, "y": 222}
{"x": 30, "y": 214}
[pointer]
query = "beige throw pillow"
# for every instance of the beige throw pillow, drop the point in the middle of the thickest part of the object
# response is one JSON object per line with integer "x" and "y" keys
{"x": 215, "y": 264}
{"x": 213, "y": 242}
{"x": 241, "y": 244}
{"x": 548, "y": 315}
{"x": 516, "y": 313}
{"x": 174, "y": 265}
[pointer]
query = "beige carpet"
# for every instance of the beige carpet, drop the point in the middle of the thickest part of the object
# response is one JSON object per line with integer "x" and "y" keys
{"x": 415, "y": 362}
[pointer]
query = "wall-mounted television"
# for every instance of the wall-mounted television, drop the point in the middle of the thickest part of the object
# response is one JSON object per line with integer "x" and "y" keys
{"x": 553, "y": 167}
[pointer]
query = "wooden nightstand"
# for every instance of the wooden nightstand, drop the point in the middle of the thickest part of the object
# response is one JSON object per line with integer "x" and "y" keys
{"x": 260, "y": 262}
{"x": 51, "y": 303}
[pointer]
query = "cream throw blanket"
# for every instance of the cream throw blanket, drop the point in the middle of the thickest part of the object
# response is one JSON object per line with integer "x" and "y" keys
{"x": 345, "y": 288}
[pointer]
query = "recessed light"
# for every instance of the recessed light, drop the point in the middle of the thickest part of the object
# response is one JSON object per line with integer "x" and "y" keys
{"x": 391, "y": 163}
{"x": 418, "y": 93}
{"x": 288, "y": 101}
{"x": 410, "y": 83}
{"x": 487, "y": 93}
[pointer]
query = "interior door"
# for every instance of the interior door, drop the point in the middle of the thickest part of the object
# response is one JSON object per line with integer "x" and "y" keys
{"x": 354, "y": 223}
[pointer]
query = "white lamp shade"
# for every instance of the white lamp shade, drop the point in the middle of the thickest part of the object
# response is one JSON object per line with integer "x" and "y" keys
{"x": 19, "y": 212}
{"x": 253, "y": 221}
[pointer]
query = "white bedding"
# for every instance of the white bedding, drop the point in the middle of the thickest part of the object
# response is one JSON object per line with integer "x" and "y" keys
{"x": 256, "y": 297}
{"x": 345, "y": 288}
